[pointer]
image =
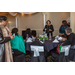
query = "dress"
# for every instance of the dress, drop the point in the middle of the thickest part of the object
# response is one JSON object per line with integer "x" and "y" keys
{"x": 62, "y": 29}
{"x": 49, "y": 27}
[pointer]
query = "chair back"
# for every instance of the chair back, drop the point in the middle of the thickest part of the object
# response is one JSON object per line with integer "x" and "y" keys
{"x": 36, "y": 47}
{"x": 66, "y": 49}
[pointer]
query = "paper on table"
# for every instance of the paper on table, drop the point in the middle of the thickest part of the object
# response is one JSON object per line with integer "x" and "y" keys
{"x": 55, "y": 41}
{"x": 29, "y": 40}
{"x": 60, "y": 38}
{"x": 41, "y": 42}
{"x": 57, "y": 37}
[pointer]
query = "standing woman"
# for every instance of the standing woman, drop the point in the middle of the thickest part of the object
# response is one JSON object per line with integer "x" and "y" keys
{"x": 49, "y": 28}
{"x": 6, "y": 48}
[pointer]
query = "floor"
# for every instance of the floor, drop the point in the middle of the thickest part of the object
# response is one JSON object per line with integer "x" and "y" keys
{"x": 28, "y": 58}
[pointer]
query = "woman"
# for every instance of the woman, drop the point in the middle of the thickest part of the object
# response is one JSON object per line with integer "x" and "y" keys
{"x": 5, "y": 49}
{"x": 63, "y": 27}
{"x": 49, "y": 28}
{"x": 18, "y": 46}
{"x": 28, "y": 34}
{"x": 71, "y": 38}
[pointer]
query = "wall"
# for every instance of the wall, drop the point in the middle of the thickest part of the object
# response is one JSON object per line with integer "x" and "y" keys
{"x": 35, "y": 21}
{"x": 72, "y": 20}
{"x": 11, "y": 22}
{"x": 56, "y": 19}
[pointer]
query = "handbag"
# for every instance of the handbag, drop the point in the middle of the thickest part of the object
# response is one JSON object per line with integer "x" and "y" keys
{"x": 58, "y": 49}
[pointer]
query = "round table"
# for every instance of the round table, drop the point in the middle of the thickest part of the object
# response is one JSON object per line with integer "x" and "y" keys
{"x": 48, "y": 45}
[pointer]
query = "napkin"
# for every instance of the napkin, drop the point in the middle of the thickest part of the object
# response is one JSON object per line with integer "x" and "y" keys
{"x": 41, "y": 42}
{"x": 29, "y": 40}
{"x": 55, "y": 41}
{"x": 33, "y": 38}
{"x": 60, "y": 38}
{"x": 57, "y": 37}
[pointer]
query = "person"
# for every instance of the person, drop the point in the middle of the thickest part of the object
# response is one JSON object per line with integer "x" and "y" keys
{"x": 5, "y": 48}
{"x": 71, "y": 38}
{"x": 68, "y": 24}
{"x": 63, "y": 27}
{"x": 33, "y": 34}
{"x": 27, "y": 34}
{"x": 18, "y": 46}
{"x": 49, "y": 28}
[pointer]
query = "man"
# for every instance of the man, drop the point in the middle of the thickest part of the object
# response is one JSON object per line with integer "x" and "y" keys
{"x": 3, "y": 39}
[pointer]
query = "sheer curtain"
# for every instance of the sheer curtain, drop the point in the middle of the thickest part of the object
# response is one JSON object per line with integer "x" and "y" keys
{"x": 15, "y": 13}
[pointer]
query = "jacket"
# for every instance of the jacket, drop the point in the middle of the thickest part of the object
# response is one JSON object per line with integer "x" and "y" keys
{"x": 18, "y": 43}
{"x": 3, "y": 40}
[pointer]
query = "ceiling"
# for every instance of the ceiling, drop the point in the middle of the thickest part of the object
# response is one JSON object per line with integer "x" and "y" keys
{"x": 12, "y": 13}
{"x": 3, "y": 13}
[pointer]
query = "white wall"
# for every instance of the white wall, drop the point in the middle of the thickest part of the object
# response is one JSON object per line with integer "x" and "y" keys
{"x": 56, "y": 19}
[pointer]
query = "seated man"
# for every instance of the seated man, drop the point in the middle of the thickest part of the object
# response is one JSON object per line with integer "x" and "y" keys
{"x": 71, "y": 38}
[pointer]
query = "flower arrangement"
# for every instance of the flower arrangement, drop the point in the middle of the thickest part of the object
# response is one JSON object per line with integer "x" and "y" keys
{"x": 43, "y": 37}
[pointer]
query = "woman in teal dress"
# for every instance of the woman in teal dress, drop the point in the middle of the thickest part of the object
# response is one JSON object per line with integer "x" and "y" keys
{"x": 18, "y": 47}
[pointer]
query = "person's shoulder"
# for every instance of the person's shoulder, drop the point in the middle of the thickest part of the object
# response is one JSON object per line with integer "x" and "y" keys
{"x": 51, "y": 25}
{"x": 46, "y": 25}
{"x": 72, "y": 34}
{"x": 19, "y": 35}
{"x": 66, "y": 25}
{"x": 61, "y": 26}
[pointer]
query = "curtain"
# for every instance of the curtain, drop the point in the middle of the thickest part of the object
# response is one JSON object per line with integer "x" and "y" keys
{"x": 27, "y": 12}
{"x": 15, "y": 13}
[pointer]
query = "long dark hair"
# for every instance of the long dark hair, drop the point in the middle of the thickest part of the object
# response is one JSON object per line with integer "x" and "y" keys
{"x": 14, "y": 30}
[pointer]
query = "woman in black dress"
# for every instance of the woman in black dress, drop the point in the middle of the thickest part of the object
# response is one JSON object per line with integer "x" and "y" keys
{"x": 49, "y": 28}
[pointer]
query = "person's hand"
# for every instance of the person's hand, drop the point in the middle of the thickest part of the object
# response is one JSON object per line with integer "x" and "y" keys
{"x": 50, "y": 30}
{"x": 63, "y": 39}
{"x": 45, "y": 29}
{"x": 61, "y": 34}
{"x": 11, "y": 37}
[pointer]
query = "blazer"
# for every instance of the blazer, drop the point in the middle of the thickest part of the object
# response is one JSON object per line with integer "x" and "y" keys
{"x": 49, "y": 27}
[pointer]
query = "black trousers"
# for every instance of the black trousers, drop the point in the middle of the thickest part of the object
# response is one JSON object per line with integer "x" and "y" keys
{"x": 51, "y": 34}
{"x": 18, "y": 56}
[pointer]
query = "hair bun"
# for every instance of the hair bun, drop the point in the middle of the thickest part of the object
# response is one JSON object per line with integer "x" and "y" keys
{"x": 3, "y": 18}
